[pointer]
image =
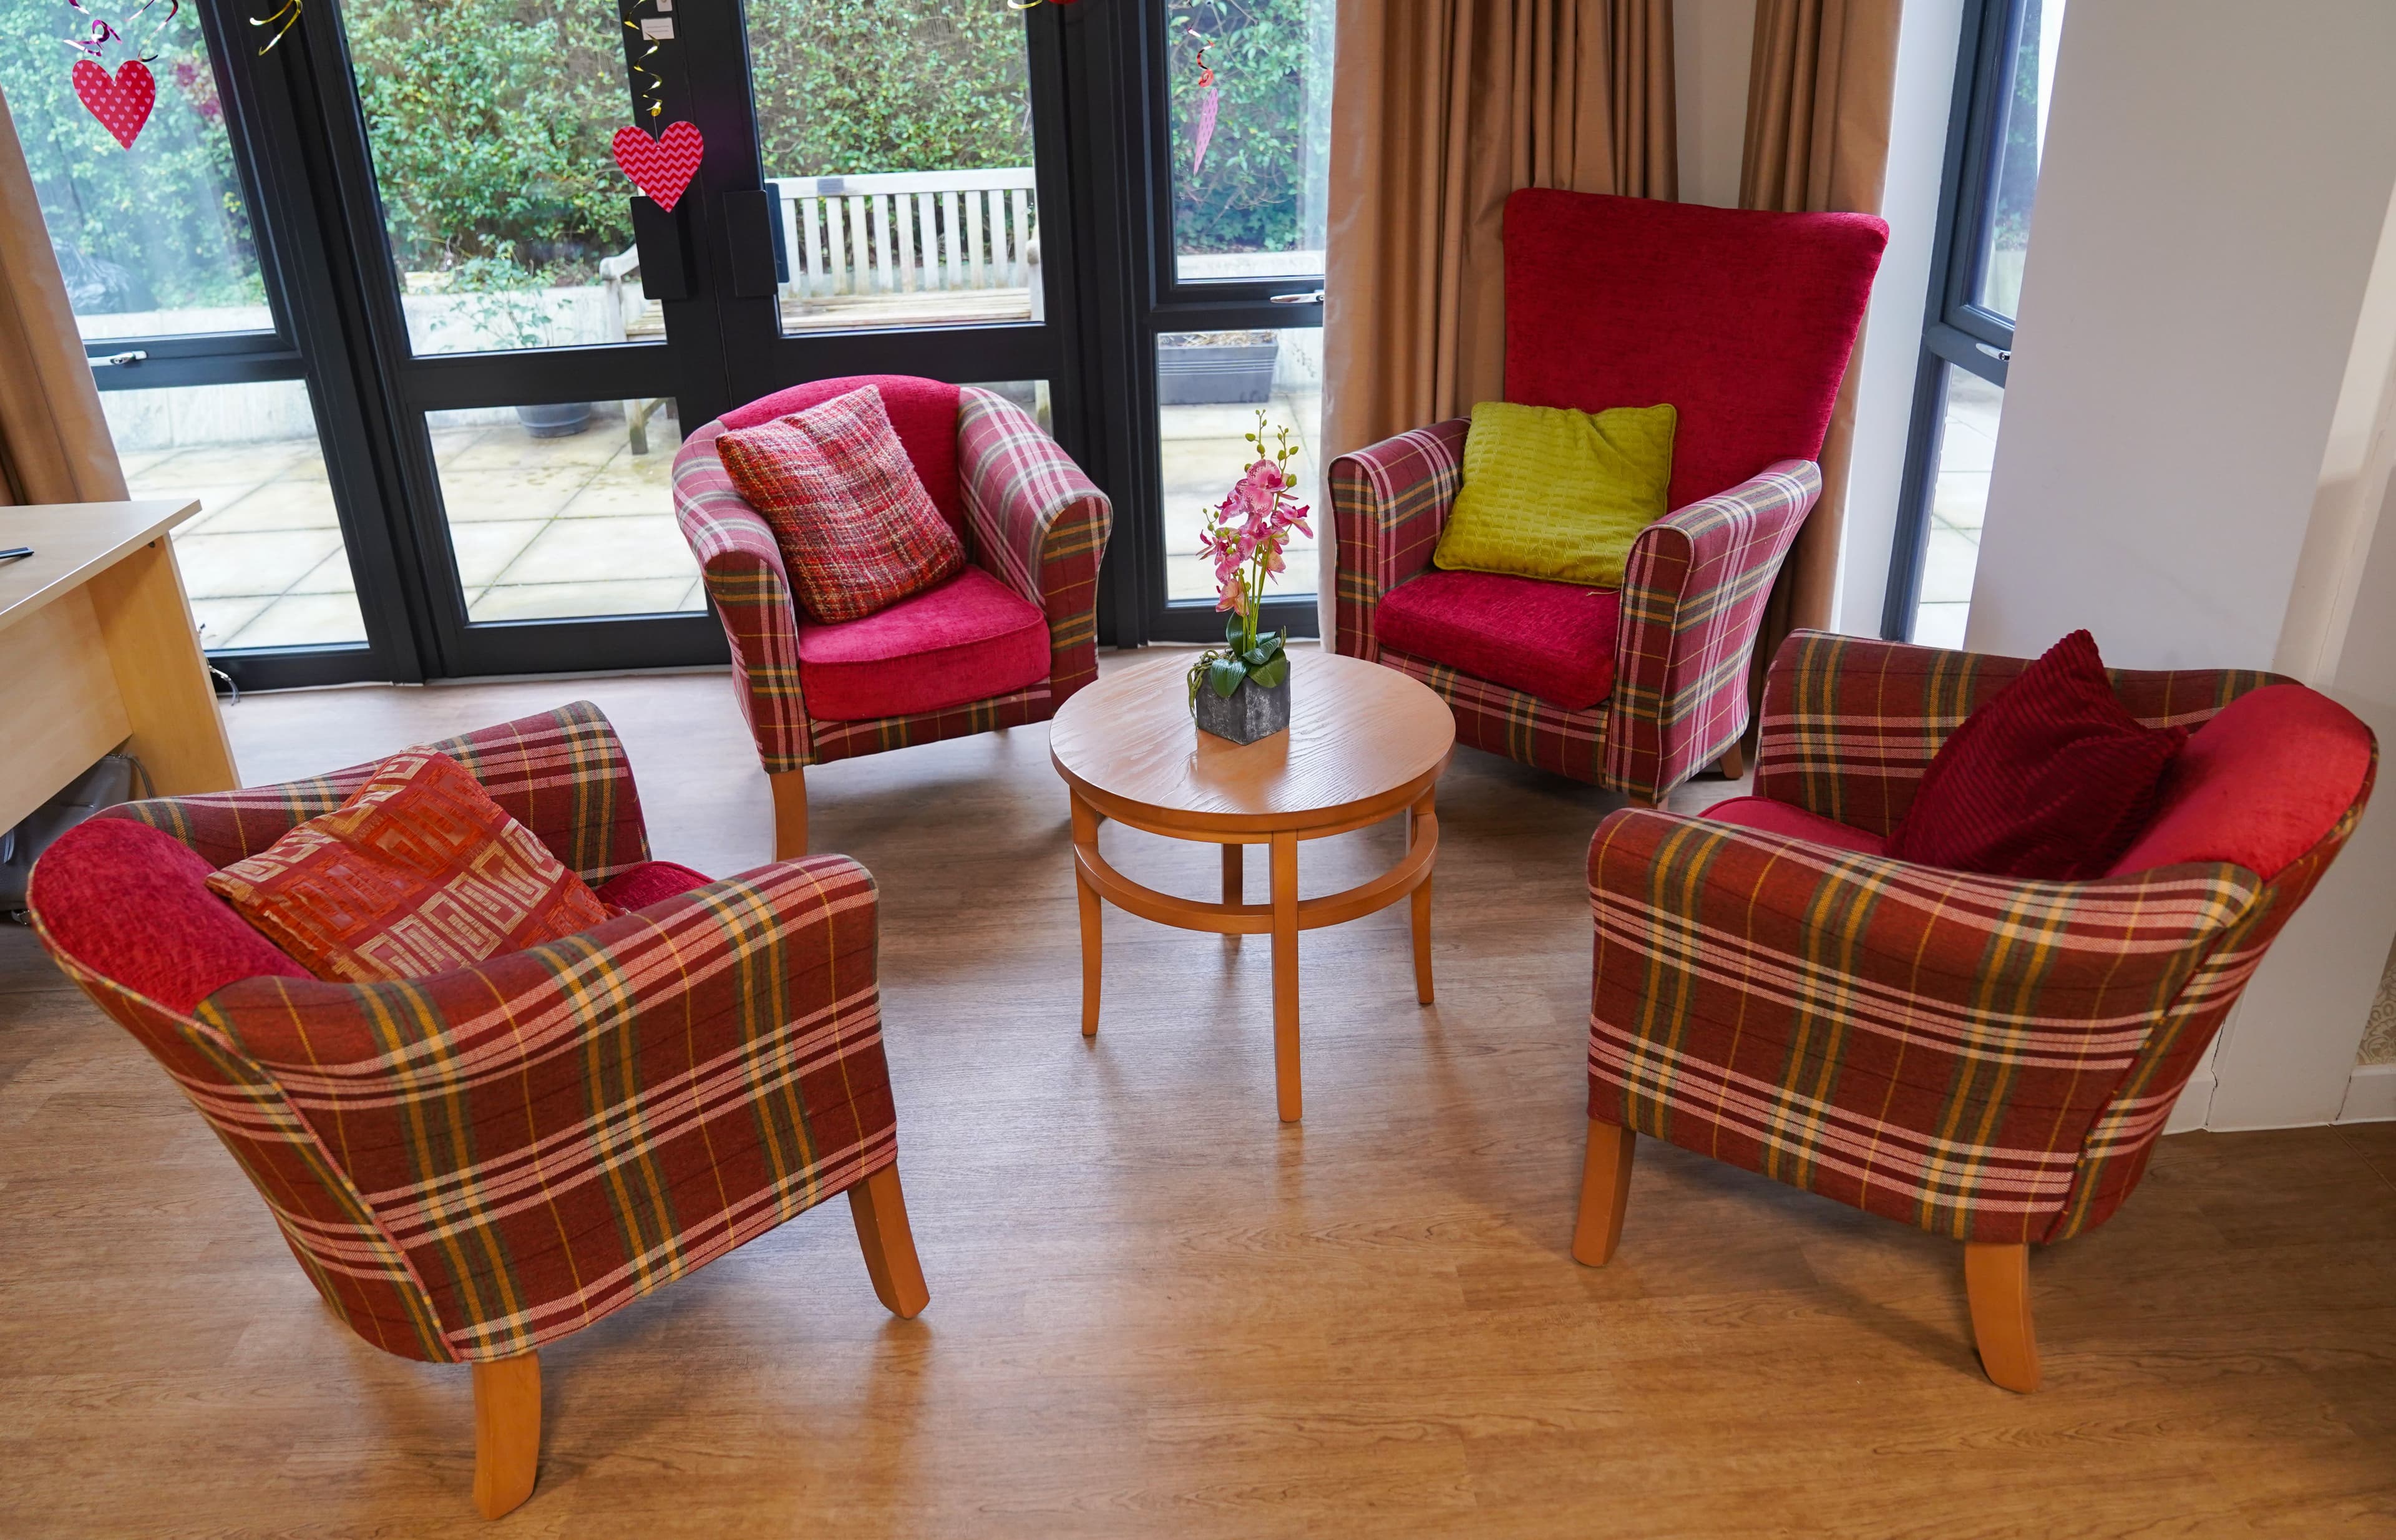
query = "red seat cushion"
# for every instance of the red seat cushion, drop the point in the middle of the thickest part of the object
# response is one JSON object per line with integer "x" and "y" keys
{"x": 924, "y": 412}
{"x": 1551, "y": 640}
{"x": 2051, "y": 777}
{"x": 969, "y": 638}
{"x": 647, "y": 883}
{"x": 2258, "y": 785}
{"x": 1770, "y": 817}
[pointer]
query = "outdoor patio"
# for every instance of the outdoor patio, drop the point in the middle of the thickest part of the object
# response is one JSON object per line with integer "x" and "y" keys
{"x": 1959, "y": 502}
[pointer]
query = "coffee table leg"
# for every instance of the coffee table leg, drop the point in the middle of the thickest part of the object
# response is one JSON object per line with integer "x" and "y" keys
{"x": 1234, "y": 887}
{"x": 1423, "y": 824}
{"x": 1284, "y": 964}
{"x": 1085, "y": 837}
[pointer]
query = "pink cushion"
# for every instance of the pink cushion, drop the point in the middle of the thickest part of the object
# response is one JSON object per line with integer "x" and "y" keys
{"x": 1768, "y": 817}
{"x": 1741, "y": 319}
{"x": 1551, "y": 640}
{"x": 924, "y": 411}
{"x": 649, "y": 883}
{"x": 2258, "y": 785}
{"x": 969, "y": 638}
{"x": 131, "y": 903}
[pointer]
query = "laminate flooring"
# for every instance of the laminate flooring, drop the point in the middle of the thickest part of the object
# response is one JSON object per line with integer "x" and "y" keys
{"x": 1155, "y": 1310}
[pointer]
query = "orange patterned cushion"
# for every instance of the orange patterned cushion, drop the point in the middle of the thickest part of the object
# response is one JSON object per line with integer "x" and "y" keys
{"x": 418, "y": 873}
{"x": 857, "y": 531}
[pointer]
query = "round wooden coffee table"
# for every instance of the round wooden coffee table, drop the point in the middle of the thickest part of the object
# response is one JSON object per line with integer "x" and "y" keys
{"x": 1364, "y": 743}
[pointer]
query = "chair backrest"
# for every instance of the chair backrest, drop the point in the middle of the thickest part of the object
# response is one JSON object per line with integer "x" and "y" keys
{"x": 924, "y": 412}
{"x": 1742, "y": 321}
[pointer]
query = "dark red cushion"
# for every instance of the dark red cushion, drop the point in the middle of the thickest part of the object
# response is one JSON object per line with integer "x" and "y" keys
{"x": 2258, "y": 785}
{"x": 969, "y": 638}
{"x": 2051, "y": 777}
{"x": 132, "y": 903}
{"x": 649, "y": 883}
{"x": 1741, "y": 319}
{"x": 1767, "y": 816}
{"x": 924, "y": 411}
{"x": 1551, "y": 640}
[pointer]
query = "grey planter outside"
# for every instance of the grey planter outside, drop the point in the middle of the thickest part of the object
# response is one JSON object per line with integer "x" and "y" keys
{"x": 1252, "y": 712}
{"x": 1216, "y": 374}
{"x": 563, "y": 419}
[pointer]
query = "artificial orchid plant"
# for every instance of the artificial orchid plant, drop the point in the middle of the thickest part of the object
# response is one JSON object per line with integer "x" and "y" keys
{"x": 1246, "y": 534}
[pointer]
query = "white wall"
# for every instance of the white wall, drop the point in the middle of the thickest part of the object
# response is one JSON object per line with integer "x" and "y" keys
{"x": 1712, "y": 43}
{"x": 2217, "y": 181}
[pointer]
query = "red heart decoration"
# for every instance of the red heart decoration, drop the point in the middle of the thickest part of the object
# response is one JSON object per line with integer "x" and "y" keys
{"x": 661, "y": 166}
{"x": 122, "y": 104}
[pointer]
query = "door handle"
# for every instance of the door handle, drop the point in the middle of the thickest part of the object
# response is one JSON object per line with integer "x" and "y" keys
{"x": 121, "y": 361}
{"x": 1315, "y": 297}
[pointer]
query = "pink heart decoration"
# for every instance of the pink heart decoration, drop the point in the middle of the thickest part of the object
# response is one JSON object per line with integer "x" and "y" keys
{"x": 122, "y": 104}
{"x": 661, "y": 166}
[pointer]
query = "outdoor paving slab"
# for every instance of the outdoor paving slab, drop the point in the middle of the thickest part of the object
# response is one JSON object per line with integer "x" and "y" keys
{"x": 559, "y": 600}
{"x": 266, "y": 563}
{"x": 593, "y": 550}
{"x": 484, "y": 550}
{"x": 304, "y": 621}
{"x": 278, "y": 505}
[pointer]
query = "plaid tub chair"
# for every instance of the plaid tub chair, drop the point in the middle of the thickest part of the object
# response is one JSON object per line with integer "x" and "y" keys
{"x": 1990, "y": 1058}
{"x": 471, "y": 1166}
{"x": 1004, "y": 643}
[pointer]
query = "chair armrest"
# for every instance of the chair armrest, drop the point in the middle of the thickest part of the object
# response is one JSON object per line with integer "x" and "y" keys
{"x": 751, "y": 589}
{"x": 1693, "y": 591}
{"x": 1938, "y": 1047}
{"x": 1388, "y": 504}
{"x": 1039, "y": 526}
{"x": 562, "y": 774}
{"x": 551, "y": 1134}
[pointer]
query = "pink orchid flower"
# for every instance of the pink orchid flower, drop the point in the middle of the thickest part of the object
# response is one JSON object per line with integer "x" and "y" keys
{"x": 1233, "y": 596}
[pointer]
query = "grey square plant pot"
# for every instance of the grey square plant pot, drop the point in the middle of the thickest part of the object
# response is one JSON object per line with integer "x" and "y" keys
{"x": 1252, "y": 712}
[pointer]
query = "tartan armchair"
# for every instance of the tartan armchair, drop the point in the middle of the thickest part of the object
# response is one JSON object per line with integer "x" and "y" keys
{"x": 1743, "y": 322}
{"x": 944, "y": 664}
{"x": 1990, "y": 1058}
{"x": 471, "y": 1166}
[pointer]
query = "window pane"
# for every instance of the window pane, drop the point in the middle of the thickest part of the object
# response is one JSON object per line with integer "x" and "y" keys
{"x": 897, "y": 136}
{"x": 2019, "y": 141}
{"x": 1251, "y": 160}
{"x": 565, "y": 512}
{"x": 263, "y": 562}
{"x": 153, "y": 240}
{"x": 490, "y": 123}
{"x": 1959, "y": 498}
{"x": 1209, "y": 388}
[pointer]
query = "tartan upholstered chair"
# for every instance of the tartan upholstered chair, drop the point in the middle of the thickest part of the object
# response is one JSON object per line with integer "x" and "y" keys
{"x": 1005, "y": 641}
{"x": 471, "y": 1166}
{"x": 1991, "y": 1058}
{"x": 1743, "y": 322}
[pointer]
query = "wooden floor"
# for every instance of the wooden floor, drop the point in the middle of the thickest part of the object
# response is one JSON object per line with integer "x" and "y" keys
{"x": 1156, "y": 1311}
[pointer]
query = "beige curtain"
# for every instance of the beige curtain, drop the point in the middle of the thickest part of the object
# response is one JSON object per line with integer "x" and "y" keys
{"x": 1817, "y": 107}
{"x": 1440, "y": 108}
{"x": 54, "y": 443}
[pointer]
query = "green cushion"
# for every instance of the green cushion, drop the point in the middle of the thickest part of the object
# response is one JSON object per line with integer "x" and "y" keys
{"x": 1550, "y": 492}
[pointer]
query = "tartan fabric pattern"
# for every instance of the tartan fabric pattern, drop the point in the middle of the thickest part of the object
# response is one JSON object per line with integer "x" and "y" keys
{"x": 473, "y": 1165}
{"x": 1040, "y": 526}
{"x": 1514, "y": 722}
{"x": 857, "y": 531}
{"x": 750, "y": 589}
{"x": 1388, "y": 505}
{"x": 1985, "y": 1057}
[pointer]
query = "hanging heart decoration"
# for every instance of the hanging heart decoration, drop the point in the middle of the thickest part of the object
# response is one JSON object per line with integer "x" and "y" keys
{"x": 662, "y": 166}
{"x": 122, "y": 104}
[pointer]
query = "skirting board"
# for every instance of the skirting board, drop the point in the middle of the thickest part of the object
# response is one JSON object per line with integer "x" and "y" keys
{"x": 2370, "y": 1094}
{"x": 2195, "y": 1100}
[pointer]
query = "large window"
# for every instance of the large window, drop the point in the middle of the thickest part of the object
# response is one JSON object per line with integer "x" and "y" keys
{"x": 2005, "y": 82}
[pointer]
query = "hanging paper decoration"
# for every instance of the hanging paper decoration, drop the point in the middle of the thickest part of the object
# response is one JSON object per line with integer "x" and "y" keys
{"x": 661, "y": 166}
{"x": 122, "y": 104}
{"x": 1209, "y": 103}
{"x": 655, "y": 32}
{"x": 281, "y": 18}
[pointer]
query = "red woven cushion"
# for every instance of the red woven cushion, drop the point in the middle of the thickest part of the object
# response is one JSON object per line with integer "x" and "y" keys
{"x": 2262, "y": 783}
{"x": 2051, "y": 777}
{"x": 924, "y": 412}
{"x": 1766, "y": 816}
{"x": 1551, "y": 640}
{"x": 645, "y": 883}
{"x": 857, "y": 531}
{"x": 969, "y": 638}
{"x": 419, "y": 872}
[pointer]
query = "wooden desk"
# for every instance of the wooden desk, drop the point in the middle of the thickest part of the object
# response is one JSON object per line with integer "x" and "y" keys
{"x": 97, "y": 652}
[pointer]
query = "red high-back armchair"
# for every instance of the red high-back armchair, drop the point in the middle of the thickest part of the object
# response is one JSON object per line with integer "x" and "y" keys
{"x": 1740, "y": 320}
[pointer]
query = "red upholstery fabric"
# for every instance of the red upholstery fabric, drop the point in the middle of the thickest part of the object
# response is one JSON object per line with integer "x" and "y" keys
{"x": 924, "y": 411}
{"x": 132, "y": 903}
{"x": 1768, "y": 816}
{"x": 1551, "y": 640}
{"x": 650, "y": 882}
{"x": 969, "y": 638}
{"x": 418, "y": 873}
{"x": 2050, "y": 777}
{"x": 1741, "y": 319}
{"x": 2257, "y": 785}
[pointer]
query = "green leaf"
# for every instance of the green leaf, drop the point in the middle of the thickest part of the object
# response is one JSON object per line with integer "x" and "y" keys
{"x": 1273, "y": 673}
{"x": 1231, "y": 629}
{"x": 1225, "y": 674}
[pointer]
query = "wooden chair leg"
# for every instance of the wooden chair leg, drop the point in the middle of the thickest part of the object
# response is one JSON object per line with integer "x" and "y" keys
{"x": 1734, "y": 761}
{"x": 1604, "y": 1192}
{"x": 507, "y": 1432}
{"x": 880, "y": 1210}
{"x": 1236, "y": 890}
{"x": 790, "y": 814}
{"x": 1996, "y": 1279}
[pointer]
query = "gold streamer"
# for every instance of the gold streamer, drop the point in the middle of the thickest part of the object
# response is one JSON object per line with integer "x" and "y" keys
{"x": 282, "y": 19}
